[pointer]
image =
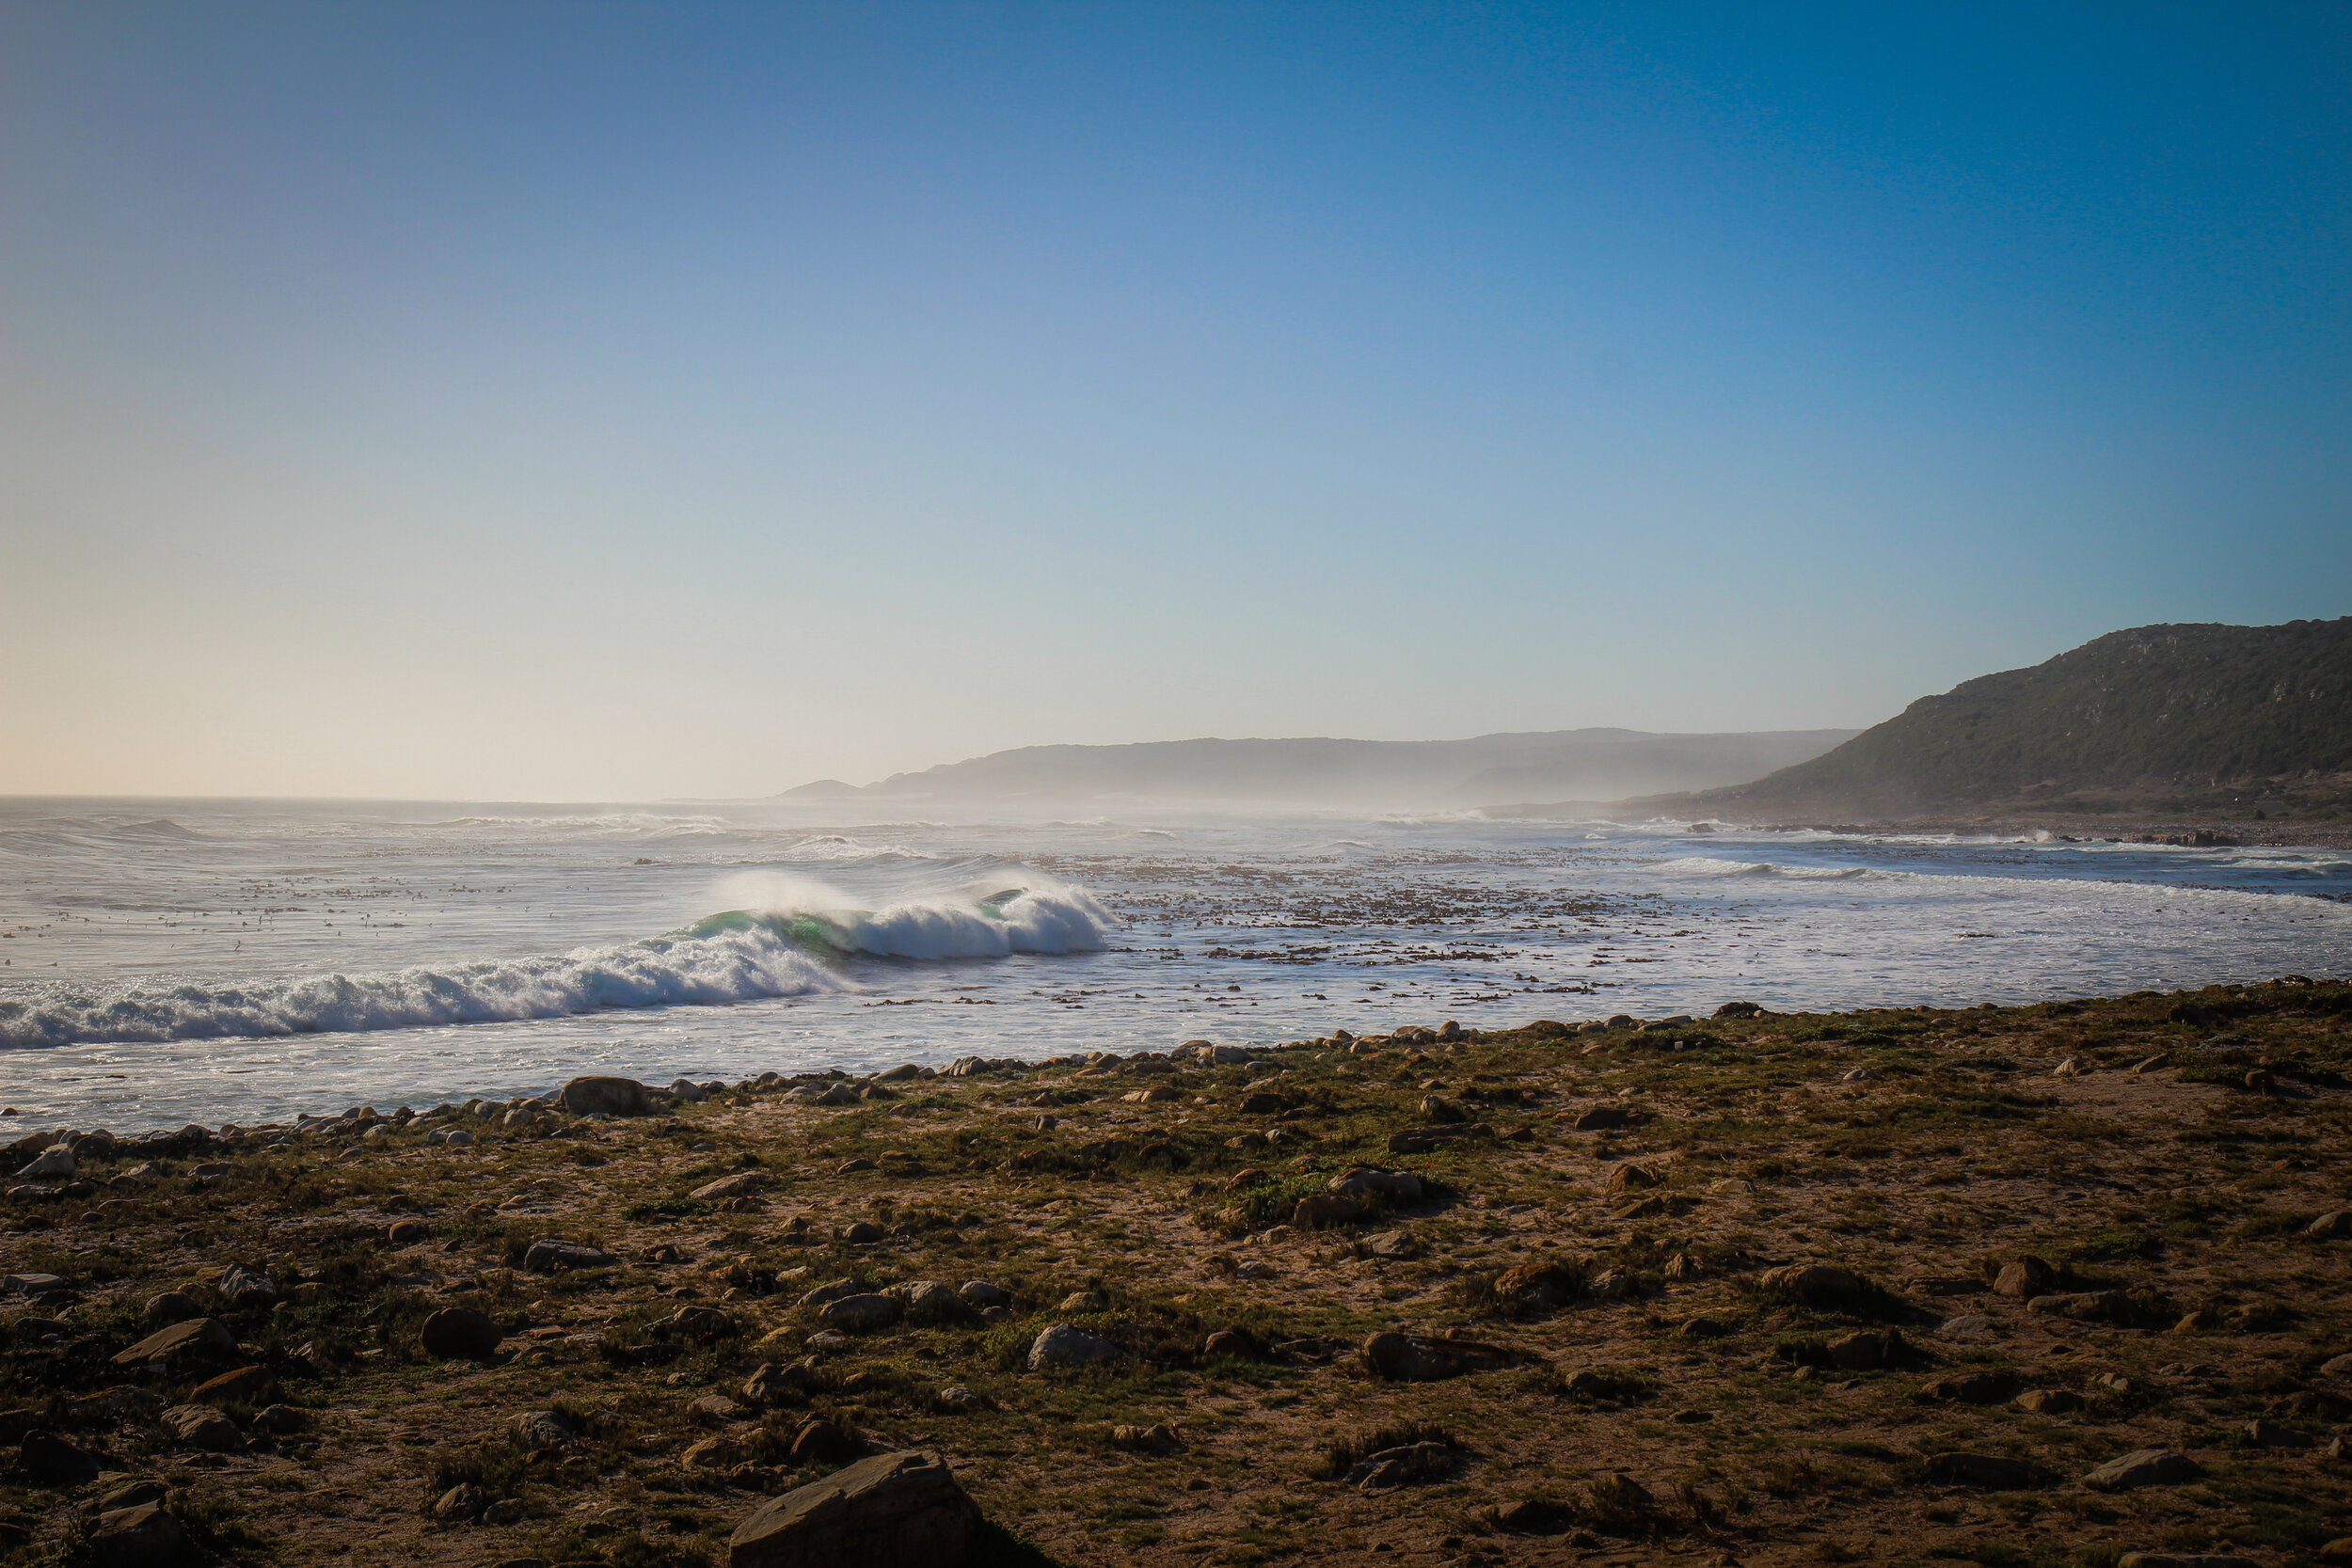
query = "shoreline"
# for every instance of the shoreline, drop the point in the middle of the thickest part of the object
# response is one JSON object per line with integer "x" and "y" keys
{"x": 1543, "y": 1291}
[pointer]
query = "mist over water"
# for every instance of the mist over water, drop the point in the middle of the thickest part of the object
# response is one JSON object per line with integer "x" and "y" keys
{"x": 213, "y": 961}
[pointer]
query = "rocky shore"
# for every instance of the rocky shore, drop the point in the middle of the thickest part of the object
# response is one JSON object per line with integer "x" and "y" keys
{"x": 2068, "y": 1284}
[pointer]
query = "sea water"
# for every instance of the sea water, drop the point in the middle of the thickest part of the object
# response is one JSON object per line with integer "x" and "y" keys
{"x": 171, "y": 961}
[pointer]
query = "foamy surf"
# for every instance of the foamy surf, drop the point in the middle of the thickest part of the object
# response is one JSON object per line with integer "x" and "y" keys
{"x": 702, "y": 968}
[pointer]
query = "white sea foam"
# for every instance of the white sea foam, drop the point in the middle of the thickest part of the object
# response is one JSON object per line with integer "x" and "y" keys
{"x": 1702, "y": 865}
{"x": 729, "y": 965}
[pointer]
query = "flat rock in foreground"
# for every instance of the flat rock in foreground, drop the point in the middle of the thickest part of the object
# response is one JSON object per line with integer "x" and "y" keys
{"x": 903, "y": 1508}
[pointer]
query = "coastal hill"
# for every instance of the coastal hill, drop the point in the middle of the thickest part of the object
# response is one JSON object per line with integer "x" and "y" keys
{"x": 1590, "y": 765}
{"x": 2224, "y": 722}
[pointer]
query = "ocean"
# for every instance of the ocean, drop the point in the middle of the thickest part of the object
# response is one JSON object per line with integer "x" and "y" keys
{"x": 169, "y": 961}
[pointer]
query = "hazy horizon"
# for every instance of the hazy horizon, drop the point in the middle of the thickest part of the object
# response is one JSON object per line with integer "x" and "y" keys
{"x": 538, "y": 402}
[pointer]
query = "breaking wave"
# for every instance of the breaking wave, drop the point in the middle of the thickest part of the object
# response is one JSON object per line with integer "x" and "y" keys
{"x": 741, "y": 956}
{"x": 1703, "y": 866}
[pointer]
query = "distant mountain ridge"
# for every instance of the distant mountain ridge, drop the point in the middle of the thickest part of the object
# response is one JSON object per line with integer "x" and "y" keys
{"x": 1589, "y": 765}
{"x": 2197, "y": 717}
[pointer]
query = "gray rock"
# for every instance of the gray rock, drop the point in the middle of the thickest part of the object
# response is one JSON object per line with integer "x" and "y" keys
{"x": 1061, "y": 1345}
{"x": 893, "y": 1508}
{"x": 463, "y": 1501}
{"x": 551, "y": 1256}
{"x": 612, "y": 1097}
{"x": 688, "y": 1091}
{"x": 860, "y": 1313}
{"x": 544, "y": 1427}
{"x": 1410, "y": 1358}
{"x": 1393, "y": 1467}
{"x": 2144, "y": 1467}
{"x": 2332, "y": 1226}
{"x": 244, "y": 1287}
{"x": 1378, "y": 1185}
{"x": 55, "y": 1160}
{"x": 741, "y": 1184}
{"x": 134, "y": 1537}
{"x": 980, "y": 1293}
{"x": 197, "y": 1335}
{"x": 200, "y": 1426}
{"x": 1968, "y": 1325}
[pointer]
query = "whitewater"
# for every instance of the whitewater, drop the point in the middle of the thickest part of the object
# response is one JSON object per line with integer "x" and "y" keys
{"x": 169, "y": 962}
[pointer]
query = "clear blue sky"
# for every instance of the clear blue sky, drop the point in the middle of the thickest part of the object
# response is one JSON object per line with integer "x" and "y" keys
{"x": 590, "y": 400}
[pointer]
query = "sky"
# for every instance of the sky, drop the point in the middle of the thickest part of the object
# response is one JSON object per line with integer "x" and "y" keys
{"x": 590, "y": 401}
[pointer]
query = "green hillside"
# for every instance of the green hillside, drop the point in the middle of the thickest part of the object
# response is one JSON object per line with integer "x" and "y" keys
{"x": 2164, "y": 718}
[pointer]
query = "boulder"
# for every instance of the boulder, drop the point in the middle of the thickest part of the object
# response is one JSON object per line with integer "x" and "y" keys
{"x": 408, "y": 1233}
{"x": 546, "y": 1428}
{"x": 1603, "y": 1119}
{"x": 1062, "y": 1345}
{"x": 200, "y": 1426}
{"x": 134, "y": 1537}
{"x": 460, "y": 1333}
{"x": 773, "y": 1384}
{"x": 980, "y": 1293}
{"x": 2144, "y": 1467}
{"x": 462, "y": 1501}
{"x": 1628, "y": 1177}
{"x": 893, "y": 1508}
{"x": 610, "y": 1097}
{"x": 196, "y": 1336}
{"x": 687, "y": 1091}
{"x": 1225, "y": 1341}
{"x": 1863, "y": 1351}
{"x": 2330, "y": 1226}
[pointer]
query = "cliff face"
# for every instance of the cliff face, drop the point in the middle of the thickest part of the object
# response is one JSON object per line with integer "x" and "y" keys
{"x": 2154, "y": 716}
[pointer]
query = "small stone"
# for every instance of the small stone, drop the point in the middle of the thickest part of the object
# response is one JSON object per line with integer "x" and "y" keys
{"x": 52, "y": 1162}
{"x": 980, "y": 1293}
{"x": 408, "y": 1233}
{"x": 1967, "y": 1326}
{"x": 1631, "y": 1178}
{"x": 2333, "y": 1226}
{"x": 2190, "y": 1560}
{"x": 862, "y": 1234}
{"x": 1155, "y": 1438}
{"x": 701, "y": 1322}
{"x": 1981, "y": 1387}
{"x": 463, "y": 1501}
{"x": 544, "y": 1428}
{"x": 506, "y": 1510}
{"x": 1225, "y": 1341}
{"x": 1813, "y": 1281}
